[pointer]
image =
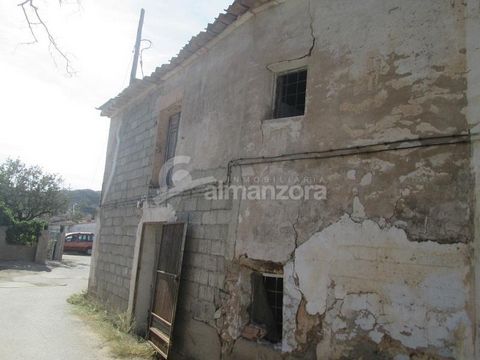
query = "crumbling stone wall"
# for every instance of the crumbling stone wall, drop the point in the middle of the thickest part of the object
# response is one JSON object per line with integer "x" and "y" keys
{"x": 382, "y": 268}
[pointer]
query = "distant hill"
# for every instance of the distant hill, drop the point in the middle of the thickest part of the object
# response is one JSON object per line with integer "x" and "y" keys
{"x": 85, "y": 201}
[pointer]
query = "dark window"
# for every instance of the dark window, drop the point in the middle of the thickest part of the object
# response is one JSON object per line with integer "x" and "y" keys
{"x": 172, "y": 135}
{"x": 290, "y": 95}
{"x": 267, "y": 304}
{"x": 85, "y": 237}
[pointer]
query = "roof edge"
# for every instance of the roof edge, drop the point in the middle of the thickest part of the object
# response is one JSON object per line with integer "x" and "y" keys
{"x": 215, "y": 31}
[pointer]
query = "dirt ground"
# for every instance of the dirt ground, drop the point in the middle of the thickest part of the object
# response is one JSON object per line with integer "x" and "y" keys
{"x": 36, "y": 322}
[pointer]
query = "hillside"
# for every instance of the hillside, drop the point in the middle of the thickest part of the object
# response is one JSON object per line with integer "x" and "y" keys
{"x": 85, "y": 201}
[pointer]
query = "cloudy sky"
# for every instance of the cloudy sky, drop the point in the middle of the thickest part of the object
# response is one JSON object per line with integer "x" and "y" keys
{"x": 47, "y": 117}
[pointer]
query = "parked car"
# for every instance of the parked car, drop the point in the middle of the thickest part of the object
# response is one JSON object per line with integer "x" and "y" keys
{"x": 79, "y": 242}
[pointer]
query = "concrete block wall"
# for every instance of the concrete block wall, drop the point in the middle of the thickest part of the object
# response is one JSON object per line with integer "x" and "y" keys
{"x": 126, "y": 181}
{"x": 206, "y": 248}
{"x": 203, "y": 263}
{"x": 365, "y": 86}
{"x": 114, "y": 255}
{"x": 131, "y": 168}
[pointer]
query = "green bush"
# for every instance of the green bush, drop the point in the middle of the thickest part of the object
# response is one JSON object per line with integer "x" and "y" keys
{"x": 20, "y": 232}
{"x": 6, "y": 216}
{"x": 25, "y": 232}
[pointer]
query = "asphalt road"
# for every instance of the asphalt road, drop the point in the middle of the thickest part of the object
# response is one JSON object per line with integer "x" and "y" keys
{"x": 36, "y": 322}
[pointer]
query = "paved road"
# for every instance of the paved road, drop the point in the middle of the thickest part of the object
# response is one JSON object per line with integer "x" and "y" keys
{"x": 36, "y": 322}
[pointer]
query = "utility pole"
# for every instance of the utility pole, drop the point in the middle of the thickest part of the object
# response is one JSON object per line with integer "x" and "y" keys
{"x": 133, "y": 74}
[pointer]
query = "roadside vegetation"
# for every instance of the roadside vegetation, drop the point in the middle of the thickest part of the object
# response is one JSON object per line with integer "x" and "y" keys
{"x": 28, "y": 196}
{"x": 116, "y": 330}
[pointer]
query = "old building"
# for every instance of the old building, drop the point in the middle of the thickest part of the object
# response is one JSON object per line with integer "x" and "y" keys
{"x": 370, "y": 107}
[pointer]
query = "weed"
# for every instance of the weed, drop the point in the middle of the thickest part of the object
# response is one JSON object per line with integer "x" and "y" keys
{"x": 115, "y": 329}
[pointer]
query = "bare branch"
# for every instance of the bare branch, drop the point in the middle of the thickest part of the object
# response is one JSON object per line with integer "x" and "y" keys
{"x": 37, "y": 20}
{"x": 29, "y": 23}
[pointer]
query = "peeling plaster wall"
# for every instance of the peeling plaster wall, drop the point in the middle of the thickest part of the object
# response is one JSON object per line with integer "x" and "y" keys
{"x": 425, "y": 191}
{"x": 371, "y": 281}
{"x": 473, "y": 117}
{"x": 378, "y": 71}
{"x": 382, "y": 268}
{"x": 386, "y": 257}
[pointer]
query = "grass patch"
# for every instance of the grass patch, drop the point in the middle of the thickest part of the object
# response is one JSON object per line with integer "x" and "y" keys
{"x": 116, "y": 330}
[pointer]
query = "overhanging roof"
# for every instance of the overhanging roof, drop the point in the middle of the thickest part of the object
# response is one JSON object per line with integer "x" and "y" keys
{"x": 212, "y": 31}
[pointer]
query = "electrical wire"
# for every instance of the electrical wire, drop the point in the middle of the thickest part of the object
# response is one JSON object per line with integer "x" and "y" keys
{"x": 150, "y": 44}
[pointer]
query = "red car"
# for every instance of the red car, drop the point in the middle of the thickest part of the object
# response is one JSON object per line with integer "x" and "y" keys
{"x": 79, "y": 242}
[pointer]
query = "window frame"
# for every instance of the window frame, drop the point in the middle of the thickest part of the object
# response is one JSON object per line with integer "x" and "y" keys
{"x": 161, "y": 141}
{"x": 171, "y": 140}
{"x": 255, "y": 302}
{"x": 276, "y": 96}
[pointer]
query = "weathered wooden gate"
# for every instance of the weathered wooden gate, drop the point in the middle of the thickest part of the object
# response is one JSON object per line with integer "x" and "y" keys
{"x": 167, "y": 283}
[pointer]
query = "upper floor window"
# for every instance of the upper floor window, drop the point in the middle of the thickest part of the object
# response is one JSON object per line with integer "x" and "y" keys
{"x": 172, "y": 136}
{"x": 165, "y": 146}
{"x": 290, "y": 94}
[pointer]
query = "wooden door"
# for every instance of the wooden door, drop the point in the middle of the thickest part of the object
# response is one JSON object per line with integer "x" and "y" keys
{"x": 167, "y": 283}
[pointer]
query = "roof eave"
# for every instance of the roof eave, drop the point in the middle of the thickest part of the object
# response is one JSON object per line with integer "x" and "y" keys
{"x": 224, "y": 21}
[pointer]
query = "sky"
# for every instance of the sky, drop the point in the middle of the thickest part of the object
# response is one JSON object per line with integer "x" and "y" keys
{"x": 48, "y": 117}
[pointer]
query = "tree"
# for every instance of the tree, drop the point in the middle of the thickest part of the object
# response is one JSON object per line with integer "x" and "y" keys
{"x": 28, "y": 192}
{"x": 33, "y": 19}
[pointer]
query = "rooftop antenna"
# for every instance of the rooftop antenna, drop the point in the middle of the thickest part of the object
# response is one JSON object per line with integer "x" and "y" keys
{"x": 133, "y": 74}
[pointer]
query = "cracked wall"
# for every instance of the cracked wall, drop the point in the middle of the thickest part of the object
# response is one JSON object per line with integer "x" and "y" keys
{"x": 385, "y": 260}
{"x": 382, "y": 267}
{"x": 425, "y": 191}
{"x": 370, "y": 281}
